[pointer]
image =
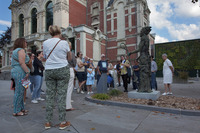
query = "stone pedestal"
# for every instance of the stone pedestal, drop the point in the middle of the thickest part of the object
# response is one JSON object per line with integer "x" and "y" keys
{"x": 140, "y": 95}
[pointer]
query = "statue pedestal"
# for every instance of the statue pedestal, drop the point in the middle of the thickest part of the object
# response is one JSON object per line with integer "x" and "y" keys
{"x": 141, "y": 95}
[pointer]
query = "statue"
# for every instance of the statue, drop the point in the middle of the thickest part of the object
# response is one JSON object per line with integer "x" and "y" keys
{"x": 144, "y": 61}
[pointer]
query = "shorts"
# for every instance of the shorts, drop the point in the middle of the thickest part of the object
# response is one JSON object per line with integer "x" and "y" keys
{"x": 81, "y": 76}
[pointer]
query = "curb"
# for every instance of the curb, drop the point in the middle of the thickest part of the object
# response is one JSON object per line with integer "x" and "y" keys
{"x": 145, "y": 107}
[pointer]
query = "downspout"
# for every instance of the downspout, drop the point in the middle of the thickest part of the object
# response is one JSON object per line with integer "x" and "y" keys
{"x": 106, "y": 32}
{"x": 87, "y": 12}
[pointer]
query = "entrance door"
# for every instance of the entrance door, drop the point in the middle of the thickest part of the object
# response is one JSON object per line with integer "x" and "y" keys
{"x": 72, "y": 40}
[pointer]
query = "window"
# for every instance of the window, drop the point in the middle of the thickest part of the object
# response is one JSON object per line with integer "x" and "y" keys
{"x": 21, "y": 25}
{"x": 49, "y": 15}
{"x": 95, "y": 11}
{"x": 34, "y": 21}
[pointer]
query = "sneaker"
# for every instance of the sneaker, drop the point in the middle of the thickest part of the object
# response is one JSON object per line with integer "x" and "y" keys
{"x": 164, "y": 94}
{"x": 43, "y": 93}
{"x": 91, "y": 92}
{"x": 78, "y": 90}
{"x": 40, "y": 99}
{"x": 65, "y": 125}
{"x": 88, "y": 93}
{"x": 153, "y": 90}
{"x": 47, "y": 125}
{"x": 75, "y": 88}
{"x": 169, "y": 93}
{"x": 34, "y": 101}
{"x": 82, "y": 92}
{"x": 72, "y": 101}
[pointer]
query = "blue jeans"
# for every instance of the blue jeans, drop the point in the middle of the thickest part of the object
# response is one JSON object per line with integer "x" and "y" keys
{"x": 32, "y": 82}
{"x": 153, "y": 80}
{"x": 37, "y": 80}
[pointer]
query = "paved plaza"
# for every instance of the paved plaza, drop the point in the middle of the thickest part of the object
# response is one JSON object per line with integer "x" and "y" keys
{"x": 95, "y": 118}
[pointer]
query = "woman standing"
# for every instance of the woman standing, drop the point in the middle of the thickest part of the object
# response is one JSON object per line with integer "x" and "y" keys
{"x": 72, "y": 64}
{"x": 57, "y": 74}
{"x": 37, "y": 77}
{"x": 124, "y": 73}
{"x": 19, "y": 71}
{"x": 168, "y": 71}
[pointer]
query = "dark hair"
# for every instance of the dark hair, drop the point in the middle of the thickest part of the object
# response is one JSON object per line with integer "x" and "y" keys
{"x": 38, "y": 52}
{"x": 78, "y": 53}
{"x": 19, "y": 43}
{"x": 152, "y": 56}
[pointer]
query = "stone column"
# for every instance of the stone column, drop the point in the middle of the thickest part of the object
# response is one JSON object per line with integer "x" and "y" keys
{"x": 83, "y": 43}
{"x": 129, "y": 19}
{"x": 43, "y": 23}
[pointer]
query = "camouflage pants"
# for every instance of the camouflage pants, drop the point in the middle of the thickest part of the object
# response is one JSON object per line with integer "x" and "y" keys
{"x": 57, "y": 83}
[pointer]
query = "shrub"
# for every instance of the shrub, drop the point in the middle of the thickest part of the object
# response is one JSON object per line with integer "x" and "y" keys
{"x": 114, "y": 92}
{"x": 101, "y": 96}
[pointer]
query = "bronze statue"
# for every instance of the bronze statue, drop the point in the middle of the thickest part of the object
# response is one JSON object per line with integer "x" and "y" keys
{"x": 144, "y": 61}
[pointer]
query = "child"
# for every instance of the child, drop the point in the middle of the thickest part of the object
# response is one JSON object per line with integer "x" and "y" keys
{"x": 90, "y": 78}
{"x": 12, "y": 87}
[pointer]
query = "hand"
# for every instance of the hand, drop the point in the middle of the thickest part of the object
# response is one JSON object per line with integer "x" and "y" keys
{"x": 27, "y": 75}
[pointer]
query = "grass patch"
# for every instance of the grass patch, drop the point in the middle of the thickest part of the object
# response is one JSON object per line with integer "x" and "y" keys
{"x": 114, "y": 92}
{"x": 101, "y": 96}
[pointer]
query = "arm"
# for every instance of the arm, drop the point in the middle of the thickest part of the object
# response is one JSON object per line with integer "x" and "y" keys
{"x": 39, "y": 64}
{"x": 139, "y": 49}
{"x": 22, "y": 56}
{"x": 69, "y": 56}
{"x": 89, "y": 71}
{"x": 98, "y": 70}
{"x": 171, "y": 69}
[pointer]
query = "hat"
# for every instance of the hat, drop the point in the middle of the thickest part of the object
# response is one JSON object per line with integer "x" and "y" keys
{"x": 102, "y": 55}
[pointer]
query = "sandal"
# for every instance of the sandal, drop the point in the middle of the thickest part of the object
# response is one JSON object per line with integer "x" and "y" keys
{"x": 24, "y": 111}
{"x": 70, "y": 109}
{"x": 19, "y": 114}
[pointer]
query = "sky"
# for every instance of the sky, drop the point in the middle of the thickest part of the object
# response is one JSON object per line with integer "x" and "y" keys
{"x": 171, "y": 20}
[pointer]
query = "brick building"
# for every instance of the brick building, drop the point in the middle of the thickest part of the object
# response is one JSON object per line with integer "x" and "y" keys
{"x": 94, "y": 27}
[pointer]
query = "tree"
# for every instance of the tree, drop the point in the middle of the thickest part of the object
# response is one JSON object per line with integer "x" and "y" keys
{"x": 194, "y": 1}
{"x": 5, "y": 37}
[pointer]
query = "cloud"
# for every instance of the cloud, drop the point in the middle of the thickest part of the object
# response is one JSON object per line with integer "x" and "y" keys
{"x": 159, "y": 39}
{"x": 163, "y": 12}
{"x": 6, "y": 23}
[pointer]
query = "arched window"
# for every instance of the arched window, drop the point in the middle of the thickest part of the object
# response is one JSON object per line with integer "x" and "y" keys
{"x": 21, "y": 25}
{"x": 49, "y": 14}
{"x": 34, "y": 20}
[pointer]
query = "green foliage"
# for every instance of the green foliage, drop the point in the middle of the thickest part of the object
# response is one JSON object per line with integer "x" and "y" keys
{"x": 183, "y": 75}
{"x": 5, "y": 37}
{"x": 114, "y": 92}
{"x": 183, "y": 54}
{"x": 101, "y": 96}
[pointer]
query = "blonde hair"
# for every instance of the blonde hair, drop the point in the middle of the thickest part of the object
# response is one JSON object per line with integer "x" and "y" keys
{"x": 54, "y": 30}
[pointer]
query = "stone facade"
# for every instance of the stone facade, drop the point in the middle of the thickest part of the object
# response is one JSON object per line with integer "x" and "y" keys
{"x": 94, "y": 27}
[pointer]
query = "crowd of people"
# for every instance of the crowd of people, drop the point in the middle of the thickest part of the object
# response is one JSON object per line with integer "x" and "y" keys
{"x": 62, "y": 68}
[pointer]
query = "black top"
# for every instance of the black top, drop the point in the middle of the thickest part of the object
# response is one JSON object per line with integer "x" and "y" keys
{"x": 103, "y": 65}
{"x": 38, "y": 67}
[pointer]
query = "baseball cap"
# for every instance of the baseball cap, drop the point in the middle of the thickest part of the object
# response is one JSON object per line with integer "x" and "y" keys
{"x": 102, "y": 55}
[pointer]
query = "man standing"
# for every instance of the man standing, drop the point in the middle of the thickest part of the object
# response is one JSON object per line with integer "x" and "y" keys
{"x": 153, "y": 74}
{"x": 136, "y": 70}
{"x": 118, "y": 69}
{"x": 102, "y": 70}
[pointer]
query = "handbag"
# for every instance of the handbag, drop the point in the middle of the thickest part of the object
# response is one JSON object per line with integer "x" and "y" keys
{"x": 53, "y": 49}
{"x": 129, "y": 71}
